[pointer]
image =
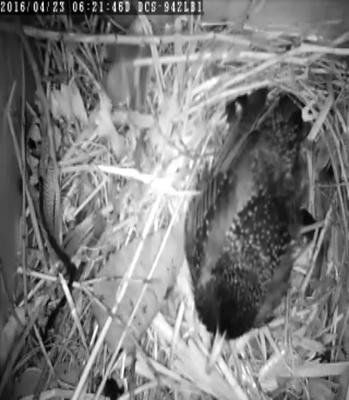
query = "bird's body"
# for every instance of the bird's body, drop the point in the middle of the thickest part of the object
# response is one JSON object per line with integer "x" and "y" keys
{"x": 240, "y": 230}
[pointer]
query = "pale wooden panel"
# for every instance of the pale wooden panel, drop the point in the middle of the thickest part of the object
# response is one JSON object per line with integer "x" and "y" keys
{"x": 328, "y": 17}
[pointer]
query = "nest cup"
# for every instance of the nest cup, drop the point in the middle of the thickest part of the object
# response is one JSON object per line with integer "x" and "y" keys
{"x": 122, "y": 179}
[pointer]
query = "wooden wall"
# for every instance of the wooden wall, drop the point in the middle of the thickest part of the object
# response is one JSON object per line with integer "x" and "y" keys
{"x": 13, "y": 74}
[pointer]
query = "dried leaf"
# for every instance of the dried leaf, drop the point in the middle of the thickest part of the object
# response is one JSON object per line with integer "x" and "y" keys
{"x": 67, "y": 103}
{"x": 191, "y": 362}
{"x": 320, "y": 389}
{"x": 87, "y": 233}
{"x": 68, "y": 372}
{"x": 27, "y": 382}
{"x": 163, "y": 278}
{"x": 9, "y": 335}
{"x": 52, "y": 201}
{"x": 106, "y": 128}
{"x": 138, "y": 120}
{"x": 311, "y": 345}
{"x": 14, "y": 326}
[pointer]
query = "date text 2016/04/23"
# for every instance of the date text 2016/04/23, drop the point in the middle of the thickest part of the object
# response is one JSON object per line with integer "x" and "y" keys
{"x": 31, "y": 7}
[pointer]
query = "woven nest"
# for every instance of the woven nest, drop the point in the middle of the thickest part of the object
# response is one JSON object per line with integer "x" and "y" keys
{"x": 122, "y": 176}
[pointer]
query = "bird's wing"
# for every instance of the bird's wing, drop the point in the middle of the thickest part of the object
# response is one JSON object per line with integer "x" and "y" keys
{"x": 231, "y": 185}
{"x": 210, "y": 214}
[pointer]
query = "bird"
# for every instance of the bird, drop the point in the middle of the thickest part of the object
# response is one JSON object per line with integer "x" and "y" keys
{"x": 242, "y": 229}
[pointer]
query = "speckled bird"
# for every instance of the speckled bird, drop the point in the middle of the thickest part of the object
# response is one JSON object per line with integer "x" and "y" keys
{"x": 240, "y": 231}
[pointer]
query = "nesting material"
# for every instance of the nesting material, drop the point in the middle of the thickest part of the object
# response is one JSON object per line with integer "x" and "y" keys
{"x": 137, "y": 170}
